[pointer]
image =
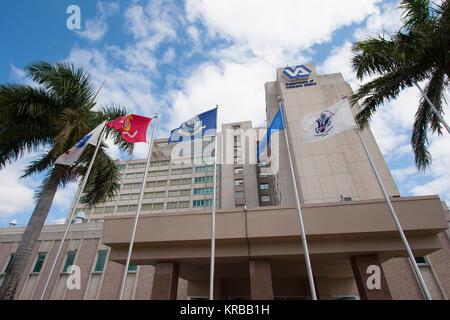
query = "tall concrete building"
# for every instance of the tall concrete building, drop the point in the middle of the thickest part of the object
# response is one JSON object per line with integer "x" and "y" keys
{"x": 259, "y": 254}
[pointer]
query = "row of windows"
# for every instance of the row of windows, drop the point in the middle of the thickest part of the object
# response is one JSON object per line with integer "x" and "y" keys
{"x": 70, "y": 258}
{"x": 154, "y": 164}
{"x": 163, "y": 183}
{"x": 158, "y": 205}
{"x": 202, "y": 203}
{"x": 159, "y": 163}
{"x": 108, "y": 209}
{"x": 158, "y": 183}
{"x": 203, "y": 179}
{"x": 162, "y": 194}
{"x": 172, "y": 182}
{"x": 203, "y": 190}
{"x": 178, "y": 205}
{"x": 179, "y": 193}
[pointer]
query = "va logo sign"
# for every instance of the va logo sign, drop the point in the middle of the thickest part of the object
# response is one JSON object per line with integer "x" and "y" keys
{"x": 300, "y": 71}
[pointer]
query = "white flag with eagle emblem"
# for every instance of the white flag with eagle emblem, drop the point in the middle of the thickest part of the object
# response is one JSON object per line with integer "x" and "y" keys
{"x": 325, "y": 123}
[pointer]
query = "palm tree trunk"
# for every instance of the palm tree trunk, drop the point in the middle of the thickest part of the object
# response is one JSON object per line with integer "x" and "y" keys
{"x": 31, "y": 235}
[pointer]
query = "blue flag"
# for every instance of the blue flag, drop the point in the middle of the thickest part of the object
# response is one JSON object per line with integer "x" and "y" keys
{"x": 197, "y": 127}
{"x": 277, "y": 124}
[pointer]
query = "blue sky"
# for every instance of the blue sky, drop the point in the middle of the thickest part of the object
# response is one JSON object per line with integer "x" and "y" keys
{"x": 178, "y": 58}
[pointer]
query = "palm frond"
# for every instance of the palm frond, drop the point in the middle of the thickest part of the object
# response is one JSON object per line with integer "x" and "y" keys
{"x": 415, "y": 13}
{"x": 72, "y": 84}
{"x": 426, "y": 118}
{"x": 39, "y": 164}
{"x": 103, "y": 181}
{"x": 19, "y": 102}
{"x": 384, "y": 88}
{"x": 373, "y": 57}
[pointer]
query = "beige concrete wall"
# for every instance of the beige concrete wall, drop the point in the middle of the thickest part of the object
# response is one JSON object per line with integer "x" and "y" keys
{"x": 335, "y": 166}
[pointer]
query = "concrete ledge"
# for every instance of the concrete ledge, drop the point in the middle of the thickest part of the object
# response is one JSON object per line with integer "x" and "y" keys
{"x": 332, "y": 228}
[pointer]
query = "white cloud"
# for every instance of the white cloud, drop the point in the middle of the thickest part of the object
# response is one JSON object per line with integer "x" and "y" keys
{"x": 129, "y": 88}
{"x": 155, "y": 19}
{"x": 15, "y": 194}
{"x": 96, "y": 28}
{"x": 169, "y": 55}
{"x": 237, "y": 88}
{"x": 339, "y": 61}
{"x": 403, "y": 174}
{"x": 64, "y": 197}
{"x": 270, "y": 26}
{"x": 384, "y": 20}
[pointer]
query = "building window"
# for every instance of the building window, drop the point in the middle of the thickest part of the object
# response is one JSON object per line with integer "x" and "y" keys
{"x": 204, "y": 169}
{"x": 69, "y": 260}
{"x": 129, "y": 208}
{"x": 198, "y": 203}
{"x": 159, "y": 183}
{"x": 101, "y": 258}
{"x": 158, "y": 206}
{"x": 421, "y": 260}
{"x": 136, "y": 165}
{"x": 130, "y": 196}
{"x": 237, "y": 159}
{"x": 134, "y": 175}
{"x": 109, "y": 209}
{"x": 264, "y": 186}
{"x": 239, "y": 194}
{"x": 203, "y": 190}
{"x": 238, "y": 170}
{"x": 239, "y": 206}
{"x": 265, "y": 198}
{"x": 179, "y": 193}
{"x": 177, "y": 171}
{"x": 121, "y": 166}
{"x": 39, "y": 262}
{"x": 152, "y": 206}
{"x": 183, "y": 204}
{"x": 204, "y": 160}
{"x": 130, "y": 186}
{"x": 155, "y": 194}
{"x": 8, "y": 265}
{"x": 236, "y": 126}
{"x": 238, "y": 182}
{"x": 132, "y": 268}
{"x": 172, "y": 205}
{"x": 204, "y": 179}
{"x": 186, "y": 181}
{"x": 159, "y": 163}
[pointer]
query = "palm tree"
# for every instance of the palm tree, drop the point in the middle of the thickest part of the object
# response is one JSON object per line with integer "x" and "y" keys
{"x": 419, "y": 51}
{"x": 51, "y": 118}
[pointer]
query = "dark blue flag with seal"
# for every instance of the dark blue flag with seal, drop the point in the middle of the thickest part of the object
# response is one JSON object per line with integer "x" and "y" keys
{"x": 196, "y": 127}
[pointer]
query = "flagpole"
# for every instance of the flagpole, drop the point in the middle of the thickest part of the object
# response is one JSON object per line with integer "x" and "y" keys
{"x": 130, "y": 248}
{"x": 397, "y": 223}
{"x": 213, "y": 227}
{"x": 69, "y": 221}
{"x": 299, "y": 211}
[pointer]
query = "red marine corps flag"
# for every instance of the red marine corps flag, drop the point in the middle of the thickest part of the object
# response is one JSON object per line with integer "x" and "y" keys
{"x": 132, "y": 127}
